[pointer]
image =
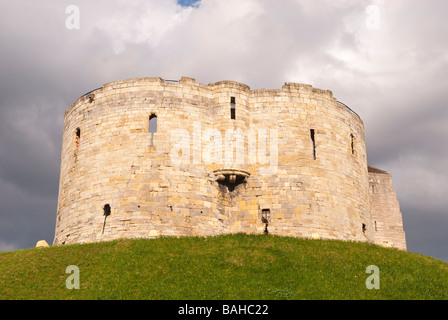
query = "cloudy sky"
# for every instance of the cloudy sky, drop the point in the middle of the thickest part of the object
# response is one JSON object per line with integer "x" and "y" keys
{"x": 387, "y": 60}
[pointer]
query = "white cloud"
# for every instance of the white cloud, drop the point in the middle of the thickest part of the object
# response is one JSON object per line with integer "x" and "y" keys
{"x": 133, "y": 22}
{"x": 152, "y": 24}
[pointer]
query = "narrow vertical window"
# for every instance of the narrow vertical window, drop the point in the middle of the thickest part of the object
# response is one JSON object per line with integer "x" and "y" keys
{"x": 106, "y": 213}
{"x": 364, "y": 228}
{"x": 232, "y": 108}
{"x": 352, "y": 142}
{"x": 78, "y": 137}
{"x": 152, "y": 127}
{"x": 313, "y": 140}
{"x": 376, "y": 229}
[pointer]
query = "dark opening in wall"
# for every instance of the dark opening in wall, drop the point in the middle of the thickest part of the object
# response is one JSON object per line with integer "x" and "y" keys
{"x": 313, "y": 140}
{"x": 230, "y": 182}
{"x": 364, "y": 228}
{"x": 266, "y": 218}
{"x": 376, "y": 229}
{"x": 232, "y": 108}
{"x": 229, "y": 179}
{"x": 78, "y": 137}
{"x": 106, "y": 210}
{"x": 152, "y": 127}
{"x": 352, "y": 141}
{"x": 106, "y": 213}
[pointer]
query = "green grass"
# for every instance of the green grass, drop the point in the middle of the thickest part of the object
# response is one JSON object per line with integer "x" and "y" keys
{"x": 224, "y": 267}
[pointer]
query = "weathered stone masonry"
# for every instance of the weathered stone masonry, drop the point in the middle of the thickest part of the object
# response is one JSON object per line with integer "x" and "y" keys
{"x": 147, "y": 157}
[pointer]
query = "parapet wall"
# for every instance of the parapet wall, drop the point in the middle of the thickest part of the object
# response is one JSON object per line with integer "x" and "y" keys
{"x": 224, "y": 159}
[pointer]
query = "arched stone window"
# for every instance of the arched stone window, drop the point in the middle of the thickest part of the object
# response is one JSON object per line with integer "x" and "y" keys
{"x": 152, "y": 127}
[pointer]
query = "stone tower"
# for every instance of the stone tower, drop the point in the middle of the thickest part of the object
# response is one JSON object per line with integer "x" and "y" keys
{"x": 149, "y": 157}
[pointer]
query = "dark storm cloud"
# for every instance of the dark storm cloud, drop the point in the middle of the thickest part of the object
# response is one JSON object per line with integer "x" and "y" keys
{"x": 410, "y": 123}
{"x": 393, "y": 76}
{"x": 44, "y": 68}
{"x": 29, "y": 128}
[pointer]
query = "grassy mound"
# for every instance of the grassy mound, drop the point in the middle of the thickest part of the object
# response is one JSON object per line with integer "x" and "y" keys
{"x": 223, "y": 267}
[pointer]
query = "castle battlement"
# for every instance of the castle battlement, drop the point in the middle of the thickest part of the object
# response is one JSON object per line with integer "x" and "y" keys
{"x": 149, "y": 157}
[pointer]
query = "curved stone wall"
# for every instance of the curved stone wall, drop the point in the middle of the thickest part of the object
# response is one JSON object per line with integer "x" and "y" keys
{"x": 224, "y": 159}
